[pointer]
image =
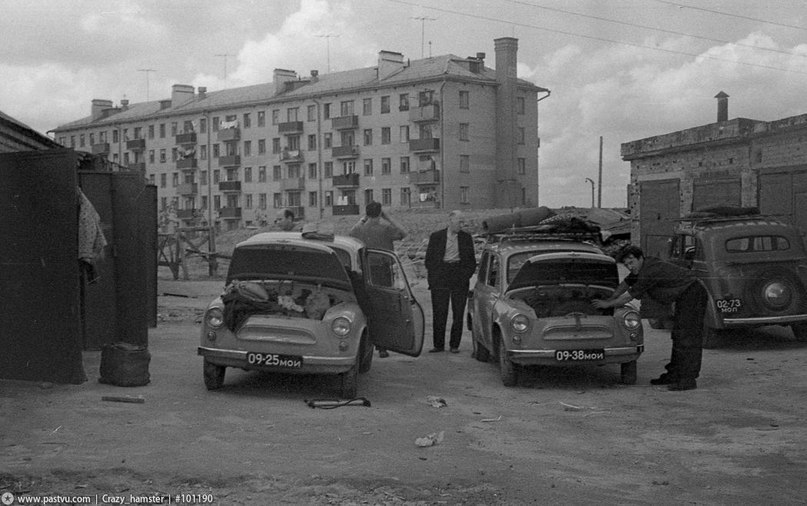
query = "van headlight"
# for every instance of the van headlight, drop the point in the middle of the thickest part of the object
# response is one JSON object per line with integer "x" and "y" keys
{"x": 631, "y": 320}
{"x": 520, "y": 323}
{"x": 214, "y": 318}
{"x": 341, "y": 326}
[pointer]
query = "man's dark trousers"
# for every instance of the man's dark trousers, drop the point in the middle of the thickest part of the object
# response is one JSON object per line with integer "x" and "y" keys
{"x": 687, "y": 333}
{"x": 441, "y": 298}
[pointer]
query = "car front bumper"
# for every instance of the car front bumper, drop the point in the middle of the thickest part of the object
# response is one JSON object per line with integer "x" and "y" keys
{"x": 312, "y": 364}
{"x": 614, "y": 355}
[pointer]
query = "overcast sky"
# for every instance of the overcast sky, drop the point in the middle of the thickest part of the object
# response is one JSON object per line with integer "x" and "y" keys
{"x": 620, "y": 69}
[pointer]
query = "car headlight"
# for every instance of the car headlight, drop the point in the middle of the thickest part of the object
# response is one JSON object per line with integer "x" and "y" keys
{"x": 341, "y": 326}
{"x": 631, "y": 320}
{"x": 520, "y": 323}
{"x": 214, "y": 318}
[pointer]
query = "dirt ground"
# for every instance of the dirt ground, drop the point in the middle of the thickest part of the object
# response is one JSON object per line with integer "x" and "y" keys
{"x": 563, "y": 436}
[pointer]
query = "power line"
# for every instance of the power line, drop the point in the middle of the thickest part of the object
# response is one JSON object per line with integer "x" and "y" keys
{"x": 662, "y": 30}
{"x": 591, "y": 37}
{"x": 738, "y": 16}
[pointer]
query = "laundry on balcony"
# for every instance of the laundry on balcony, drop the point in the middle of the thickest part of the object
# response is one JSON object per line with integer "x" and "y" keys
{"x": 185, "y": 153}
{"x": 224, "y": 125}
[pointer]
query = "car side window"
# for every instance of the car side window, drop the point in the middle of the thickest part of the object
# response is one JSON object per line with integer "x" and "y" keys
{"x": 493, "y": 272}
{"x": 483, "y": 267}
{"x": 384, "y": 271}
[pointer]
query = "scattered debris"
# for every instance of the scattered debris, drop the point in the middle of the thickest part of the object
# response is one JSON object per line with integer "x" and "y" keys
{"x": 491, "y": 419}
{"x": 114, "y": 398}
{"x": 436, "y": 402}
{"x": 430, "y": 440}
{"x": 336, "y": 403}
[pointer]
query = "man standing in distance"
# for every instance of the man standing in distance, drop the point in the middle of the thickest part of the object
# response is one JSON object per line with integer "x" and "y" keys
{"x": 378, "y": 234}
{"x": 285, "y": 220}
{"x": 450, "y": 263}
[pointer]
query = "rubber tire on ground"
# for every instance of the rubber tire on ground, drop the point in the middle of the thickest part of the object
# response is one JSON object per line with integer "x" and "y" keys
{"x": 800, "y": 332}
{"x": 480, "y": 352}
{"x": 627, "y": 373}
{"x": 366, "y": 352}
{"x": 507, "y": 369}
{"x": 214, "y": 375}
{"x": 349, "y": 382}
{"x": 711, "y": 337}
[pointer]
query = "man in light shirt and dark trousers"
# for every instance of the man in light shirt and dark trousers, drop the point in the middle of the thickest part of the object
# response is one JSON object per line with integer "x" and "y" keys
{"x": 450, "y": 263}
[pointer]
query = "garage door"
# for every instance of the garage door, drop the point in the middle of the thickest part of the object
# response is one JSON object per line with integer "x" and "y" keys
{"x": 784, "y": 195}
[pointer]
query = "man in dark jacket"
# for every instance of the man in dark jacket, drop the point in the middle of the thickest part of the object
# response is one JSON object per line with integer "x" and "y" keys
{"x": 450, "y": 262}
{"x": 667, "y": 283}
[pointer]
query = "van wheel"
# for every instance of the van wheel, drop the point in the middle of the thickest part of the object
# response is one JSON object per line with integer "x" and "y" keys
{"x": 349, "y": 382}
{"x": 711, "y": 338}
{"x": 800, "y": 332}
{"x": 507, "y": 369}
{"x": 366, "y": 352}
{"x": 628, "y": 373}
{"x": 214, "y": 375}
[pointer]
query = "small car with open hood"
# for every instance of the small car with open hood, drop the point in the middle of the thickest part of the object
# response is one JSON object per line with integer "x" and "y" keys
{"x": 532, "y": 303}
{"x": 305, "y": 303}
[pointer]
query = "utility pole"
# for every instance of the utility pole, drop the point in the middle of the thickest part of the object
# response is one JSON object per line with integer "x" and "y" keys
{"x": 599, "y": 183}
{"x": 147, "y": 80}
{"x": 423, "y": 20}
{"x": 327, "y": 37}
{"x": 224, "y": 55}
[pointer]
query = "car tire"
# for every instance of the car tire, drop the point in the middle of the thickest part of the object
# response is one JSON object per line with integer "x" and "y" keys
{"x": 627, "y": 373}
{"x": 507, "y": 369}
{"x": 214, "y": 375}
{"x": 711, "y": 338}
{"x": 349, "y": 383}
{"x": 366, "y": 352}
{"x": 800, "y": 332}
{"x": 480, "y": 352}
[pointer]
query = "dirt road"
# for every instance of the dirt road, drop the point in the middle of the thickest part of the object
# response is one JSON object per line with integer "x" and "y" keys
{"x": 564, "y": 436}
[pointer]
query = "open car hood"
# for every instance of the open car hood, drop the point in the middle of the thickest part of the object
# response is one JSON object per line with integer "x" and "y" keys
{"x": 288, "y": 259}
{"x": 549, "y": 269}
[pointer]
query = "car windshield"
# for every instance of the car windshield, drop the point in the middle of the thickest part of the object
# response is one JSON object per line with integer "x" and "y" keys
{"x": 282, "y": 261}
{"x": 567, "y": 271}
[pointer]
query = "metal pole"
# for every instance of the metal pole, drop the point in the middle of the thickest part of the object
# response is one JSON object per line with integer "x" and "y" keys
{"x": 592, "y": 190}
{"x": 599, "y": 182}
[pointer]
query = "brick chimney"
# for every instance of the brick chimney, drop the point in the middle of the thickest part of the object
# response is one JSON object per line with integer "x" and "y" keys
{"x": 281, "y": 77}
{"x": 124, "y": 104}
{"x": 314, "y": 76}
{"x": 98, "y": 107}
{"x": 202, "y": 92}
{"x": 508, "y": 187}
{"x": 181, "y": 93}
{"x": 389, "y": 63}
{"x": 722, "y": 107}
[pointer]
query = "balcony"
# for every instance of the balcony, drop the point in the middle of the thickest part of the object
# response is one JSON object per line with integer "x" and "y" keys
{"x": 186, "y": 138}
{"x": 345, "y": 152}
{"x": 186, "y": 214}
{"x": 136, "y": 145}
{"x": 137, "y": 166}
{"x": 291, "y": 156}
{"x": 230, "y": 213}
{"x": 100, "y": 148}
{"x": 346, "y": 210}
{"x": 188, "y": 189}
{"x": 290, "y": 127}
{"x": 424, "y": 145}
{"x": 229, "y": 160}
{"x": 292, "y": 183}
{"x": 424, "y": 177}
{"x": 425, "y": 113}
{"x": 346, "y": 180}
{"x": 345, "y": 122}
{"x": 187, "y": 163}
{"x": 230, "y": 186}
{"x": 229, "y": 134}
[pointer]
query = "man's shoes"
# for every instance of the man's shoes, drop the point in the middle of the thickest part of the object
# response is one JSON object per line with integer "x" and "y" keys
{"x": 436, "y": 350}
{"x": 687, "y": 384}
{"x": 383, "y": 353}
{"x": 664, "y": 379}
{"x": 454, "y": 350}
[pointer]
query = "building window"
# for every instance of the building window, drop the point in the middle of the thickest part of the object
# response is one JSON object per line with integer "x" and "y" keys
{"x": 327, "y": 169}
{"x": 261, "y": 146}
{"x": 151, "y": 131}
{"x": 368, "y": 167}
{"x": 174, "y": 179}
{"x": 404, "y": 133}
{"x": 327, "y": 140}
{"x": 261, "y": 119}
{"x": 294, "y": 171}
{"x": 406, "y": 195}
{"x": 465, "y": 163}
{"x": 275, "y": 116}
{"x": 312, "y": 142}
{"x": 404, "y": 165}
{"x": 346, "y": 108}
{"x": 293, "y": 142}
{"x": 464, "y": 99}
{"x": 151, "y": 156}
{"x": 114, "y": 138}
{"x": 386, "y": 163}
{"x": 262, "y": 174}
{"x": 162, "y": 155}
{"x": 385, "y": 104}
{"x": 247, "y": 174}
{"x": 386, "y": 196}
{"x": 292, "y": 114}
{"x": 203, "y": 177}
{"x": 368, "y": 136}
{"x": 262, "y": 200}
{"x": 463, "y": 194}
{"x": 425, "y": 97}
{"x": 114, "y": 158}
{"x": 247, "y": 148}
{"x": 385, "y": 135}
{"x": 163, "y": 180}
{"x": 312, "y": 199}
{"x": 152, "y": 178}
{"x": 403, "y": 102}
{"x": 368, "y": 196}
{"x": 464, "y": 131}
{"x": 276, "y": 145}
{"x": 216, "y": 176}
{"x": 216, "y": 150}
{"x": 203, "y": 125}
{"x": 277, "y": 173}
{"x": 522, "y": 166}
{"x": 520, "y": 105}
{"x": 326, "y": 111}
{"x": 312, "y": 170}
{"x": 162, "y": 132}
{"x": 174, "y": 154}
{"x": 217, "y": 202}
{"x": 328, "y": 198}
{"x": 247, "y": 120}
{"x": 248, "y": 201}
{"x": 203, "y": 153}
{"x": 520, "y": 135}
{"x": 174, "y": 128}
{"x": 277, "y": 200}
{"x": 312, "y": 113}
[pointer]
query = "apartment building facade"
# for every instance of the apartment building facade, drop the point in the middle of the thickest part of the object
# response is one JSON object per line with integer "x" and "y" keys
{"x": 445, "y": 132}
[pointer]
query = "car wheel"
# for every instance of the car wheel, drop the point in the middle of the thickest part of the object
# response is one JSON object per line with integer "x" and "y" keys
{"x": 628, "y": 373}
{"x": 349, "y": 382}
{"x": 480, "y": 352}
{"x": 366, "y": 352}
{"x": 800, "y": 332}
{"x": 711, "y": 337}
{"x": 214, "y": 375}
{"x": 507, "y": 369}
